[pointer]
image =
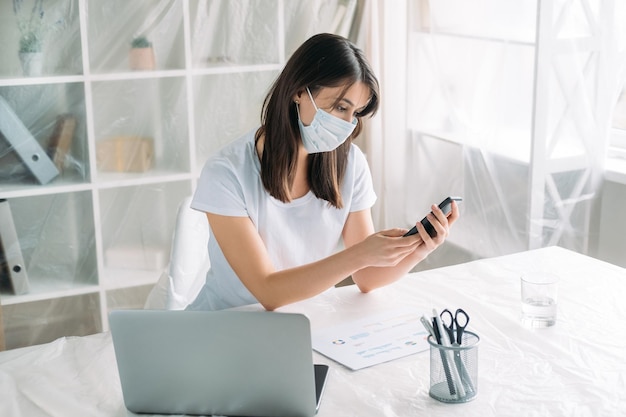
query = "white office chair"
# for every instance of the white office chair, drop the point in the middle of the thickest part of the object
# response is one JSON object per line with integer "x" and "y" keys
{"x": 180, "y": 283}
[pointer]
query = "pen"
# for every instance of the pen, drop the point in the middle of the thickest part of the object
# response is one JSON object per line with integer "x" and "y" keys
{"x": 436, "y": 331}
{"x": 428, "y": 326}
{"x": 446, "y": 367}
{"x": 456, "y": 379}
{"x": 465, "y": 377}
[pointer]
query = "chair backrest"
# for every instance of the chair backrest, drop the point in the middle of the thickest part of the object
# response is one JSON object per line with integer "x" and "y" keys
{"x": 189, "y": 262}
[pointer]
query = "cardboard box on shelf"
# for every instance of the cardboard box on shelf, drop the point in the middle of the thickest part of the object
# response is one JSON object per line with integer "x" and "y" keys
{"x": 125, "y": 154}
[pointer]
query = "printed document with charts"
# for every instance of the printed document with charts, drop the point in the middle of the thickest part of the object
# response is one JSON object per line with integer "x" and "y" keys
{"x": 374, "y": 339}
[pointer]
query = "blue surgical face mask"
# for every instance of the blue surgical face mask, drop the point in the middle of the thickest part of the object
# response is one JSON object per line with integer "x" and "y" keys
{"x": 326, "y": 132}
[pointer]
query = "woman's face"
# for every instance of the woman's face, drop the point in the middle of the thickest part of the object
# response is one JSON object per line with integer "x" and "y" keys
{"x": 347, "y": 108}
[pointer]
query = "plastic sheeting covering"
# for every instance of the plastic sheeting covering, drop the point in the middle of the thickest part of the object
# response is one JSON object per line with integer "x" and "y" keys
{"x": 570, "y": 369}
{"x": 505, "y": 108}
{"x": 98, "y": 235}
{"x": 509, "y": 106}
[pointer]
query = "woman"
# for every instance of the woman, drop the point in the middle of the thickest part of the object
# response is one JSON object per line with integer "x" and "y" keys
{"x": 281, "y": 199}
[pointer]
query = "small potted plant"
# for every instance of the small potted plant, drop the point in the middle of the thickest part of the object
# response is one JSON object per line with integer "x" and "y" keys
{"x": 31, "y": 55}
{"x": 32, "y": 30}
{"x": 141, "y": 54}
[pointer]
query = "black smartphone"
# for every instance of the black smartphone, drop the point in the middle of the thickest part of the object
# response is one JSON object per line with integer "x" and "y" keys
{"x": 445, "y": 206}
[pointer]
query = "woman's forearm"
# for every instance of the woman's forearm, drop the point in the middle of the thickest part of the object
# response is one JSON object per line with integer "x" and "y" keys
{"x": 371, "y": 278}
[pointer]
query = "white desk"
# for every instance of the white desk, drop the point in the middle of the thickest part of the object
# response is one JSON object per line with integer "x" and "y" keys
{"x": 576, "y": 368}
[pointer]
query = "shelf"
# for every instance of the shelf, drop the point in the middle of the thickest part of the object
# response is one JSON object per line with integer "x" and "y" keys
{"x": 136, "y": 75}
{"x": 129, "y": 278}
{"x": 48, "y": 290}
{"x": 67, "y": 184}
{"x": 59, "y": 79}
{"x": 139, "y": 75}
{"x": 110, "y": 180}
{"x": 105, "y": 181}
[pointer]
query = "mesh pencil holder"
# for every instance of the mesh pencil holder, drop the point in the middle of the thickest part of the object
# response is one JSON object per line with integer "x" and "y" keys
{"x": 454, "y": 370}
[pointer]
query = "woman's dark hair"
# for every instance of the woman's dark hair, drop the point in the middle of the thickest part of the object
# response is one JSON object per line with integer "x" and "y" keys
{"x": 324, "y": 60}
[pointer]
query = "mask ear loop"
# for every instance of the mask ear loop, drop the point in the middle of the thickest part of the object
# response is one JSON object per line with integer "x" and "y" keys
{"x": 298, "y": 109}
{"x": 354, "y": 121}
{"x": 311, "y": 97}
{"x": 298, "y": 112}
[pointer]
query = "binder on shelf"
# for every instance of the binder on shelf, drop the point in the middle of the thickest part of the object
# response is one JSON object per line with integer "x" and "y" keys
{"x": 13, "y": 275}
{"x": 25, "y": 145}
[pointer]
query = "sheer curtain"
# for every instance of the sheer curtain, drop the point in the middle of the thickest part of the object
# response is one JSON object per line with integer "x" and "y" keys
{"x": 385, "y": 44}
{"x": 503, "y": 102}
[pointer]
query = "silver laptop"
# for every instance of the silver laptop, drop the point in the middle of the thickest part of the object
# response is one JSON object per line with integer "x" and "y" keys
{"x": 232, "y": 363}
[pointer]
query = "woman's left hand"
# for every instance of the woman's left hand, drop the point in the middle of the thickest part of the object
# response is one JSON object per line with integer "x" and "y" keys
{"x": 441, "y": 224}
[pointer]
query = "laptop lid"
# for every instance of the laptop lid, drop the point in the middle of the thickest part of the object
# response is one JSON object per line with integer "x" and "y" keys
{"x": 238, "y": 363}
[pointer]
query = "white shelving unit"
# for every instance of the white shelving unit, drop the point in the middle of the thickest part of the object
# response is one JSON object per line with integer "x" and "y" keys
{"x": 93, "y": 240}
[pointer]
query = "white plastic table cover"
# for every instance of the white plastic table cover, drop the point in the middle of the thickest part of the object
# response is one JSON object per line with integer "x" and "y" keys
{"x": 576, "y": 368}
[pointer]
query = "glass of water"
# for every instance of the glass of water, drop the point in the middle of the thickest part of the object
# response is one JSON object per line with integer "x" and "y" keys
{"x": 539, "y": 299}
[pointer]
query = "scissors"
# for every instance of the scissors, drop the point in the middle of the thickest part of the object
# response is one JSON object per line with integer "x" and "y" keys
{"x": 457, "y": 322}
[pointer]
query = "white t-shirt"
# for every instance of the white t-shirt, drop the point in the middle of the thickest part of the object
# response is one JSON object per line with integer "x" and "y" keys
{"x": 299, "y": 232}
